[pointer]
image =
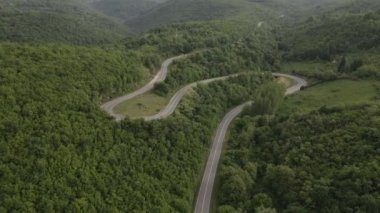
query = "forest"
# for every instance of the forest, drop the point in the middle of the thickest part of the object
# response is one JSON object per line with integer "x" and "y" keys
{"x": 322, "y": 161}
{"x": 324, "y": 37}
{"x": 60, "y": 60}
{"x": 67, "y": 22}
{"x": 60, "y": 152}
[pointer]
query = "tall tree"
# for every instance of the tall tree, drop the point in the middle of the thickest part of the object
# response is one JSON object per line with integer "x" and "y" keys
{"x": 267, "y": 99}
{"x": 343, "y": 65}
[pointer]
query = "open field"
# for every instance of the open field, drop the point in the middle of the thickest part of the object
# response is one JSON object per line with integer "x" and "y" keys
{"x": 286, "y": 82}
{"x": 312, "y": 69}
{"x": 335, "y": 93}
{"x": 143, "y": 105}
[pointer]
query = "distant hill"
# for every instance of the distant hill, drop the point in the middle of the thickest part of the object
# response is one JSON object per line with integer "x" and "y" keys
{"x": 335, "y": 32}
{"x": 176, "y": 11}
{"x": 125, "y": 9}
{"x": 56, "y": 21}
{"x": 299, "y": 9}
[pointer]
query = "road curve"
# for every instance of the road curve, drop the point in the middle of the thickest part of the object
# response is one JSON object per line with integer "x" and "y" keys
{"x": 174, "y": 101}
{"x": 300, "y": 82}
{"x": 203, "y": 202}
{"x": 160, "y": 76}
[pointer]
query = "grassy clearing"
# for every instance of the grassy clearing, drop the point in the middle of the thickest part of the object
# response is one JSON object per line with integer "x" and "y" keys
{"x": 335, "y": 93}
{"x": 286, "y": 82}
{"x": 312, "y": 69}
{"x": 305, "y": 66}
{"x": 319, "y": 71}
{"x": 143, "y": 105}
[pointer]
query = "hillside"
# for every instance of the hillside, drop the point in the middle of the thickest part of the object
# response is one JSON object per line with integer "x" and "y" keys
{"x": 125, "y": 9}
{"x": 178, "y": 11}
{"x": 56, "y": 21}
{"x": 325, "y": 160}
{"x": 55, "y": 136}
{"x": 324, "y": 37}
{"x": 317, "y": 150}
{"x": 296, "y": 12}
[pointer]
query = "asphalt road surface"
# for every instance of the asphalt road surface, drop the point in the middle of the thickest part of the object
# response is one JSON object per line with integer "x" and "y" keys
{"x": 205, "y": 191}
{"x": 300, "y": 82}
{"x": 160, "y": 76}
{"x": 174, "y": 101}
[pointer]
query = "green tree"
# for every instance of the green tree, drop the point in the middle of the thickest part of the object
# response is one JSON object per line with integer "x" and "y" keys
{"x": 235, "y": 188}
{"x": 227, "y": 209}
{"x": 356, "y": 64}
{"x": 280, "y": 180}
{"x": 267, "y": 99}
{"x": 343, "y": 65}
{"x": 262, "y": 200}
{"x": 262, "y": 209}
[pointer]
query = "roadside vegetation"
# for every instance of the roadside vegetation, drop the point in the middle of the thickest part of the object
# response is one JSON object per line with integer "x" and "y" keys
{"x": 209, "y": 57}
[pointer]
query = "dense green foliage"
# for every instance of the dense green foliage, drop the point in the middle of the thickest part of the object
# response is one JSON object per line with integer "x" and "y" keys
{"x": 176, "y": 11}
{"x": 342, "y": 41}
{"x": 326, "y": 160}
{"x": 125, "y": 9}
{"x": 267, "y": 99}
{"x": 251, "y": 54}
{"x": 217, "y": 49}
{"x": 56, "y": 21}
{"x": 184, "y": 38}
{"x": 323, "y": 160}
{"x": 60, "y": 152}
{"x": 297, "y": 11}
{"x": 95, "y": 71}
{"x": 326, "y": 36}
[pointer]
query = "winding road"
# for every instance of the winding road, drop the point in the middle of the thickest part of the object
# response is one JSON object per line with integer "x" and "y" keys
{"x": 160, "y": 76}
{"x": 174, "y": 101}
{"x": 205, "y": 191}
{"x": 300, "y": 82}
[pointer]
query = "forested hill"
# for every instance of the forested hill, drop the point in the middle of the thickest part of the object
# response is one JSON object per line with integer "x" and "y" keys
{"x": 299, "y": 10}
{"x": 323, "y": 37}
{"x": 326, "y": 160}
{"x": 60, "y": 152}
{"x": 323, "y": 158}
{"x": 125, "y": 9}
{"x": 179, "y": 11}
{"x": 98, "y": 22}
{"x": 56, "y": 21}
